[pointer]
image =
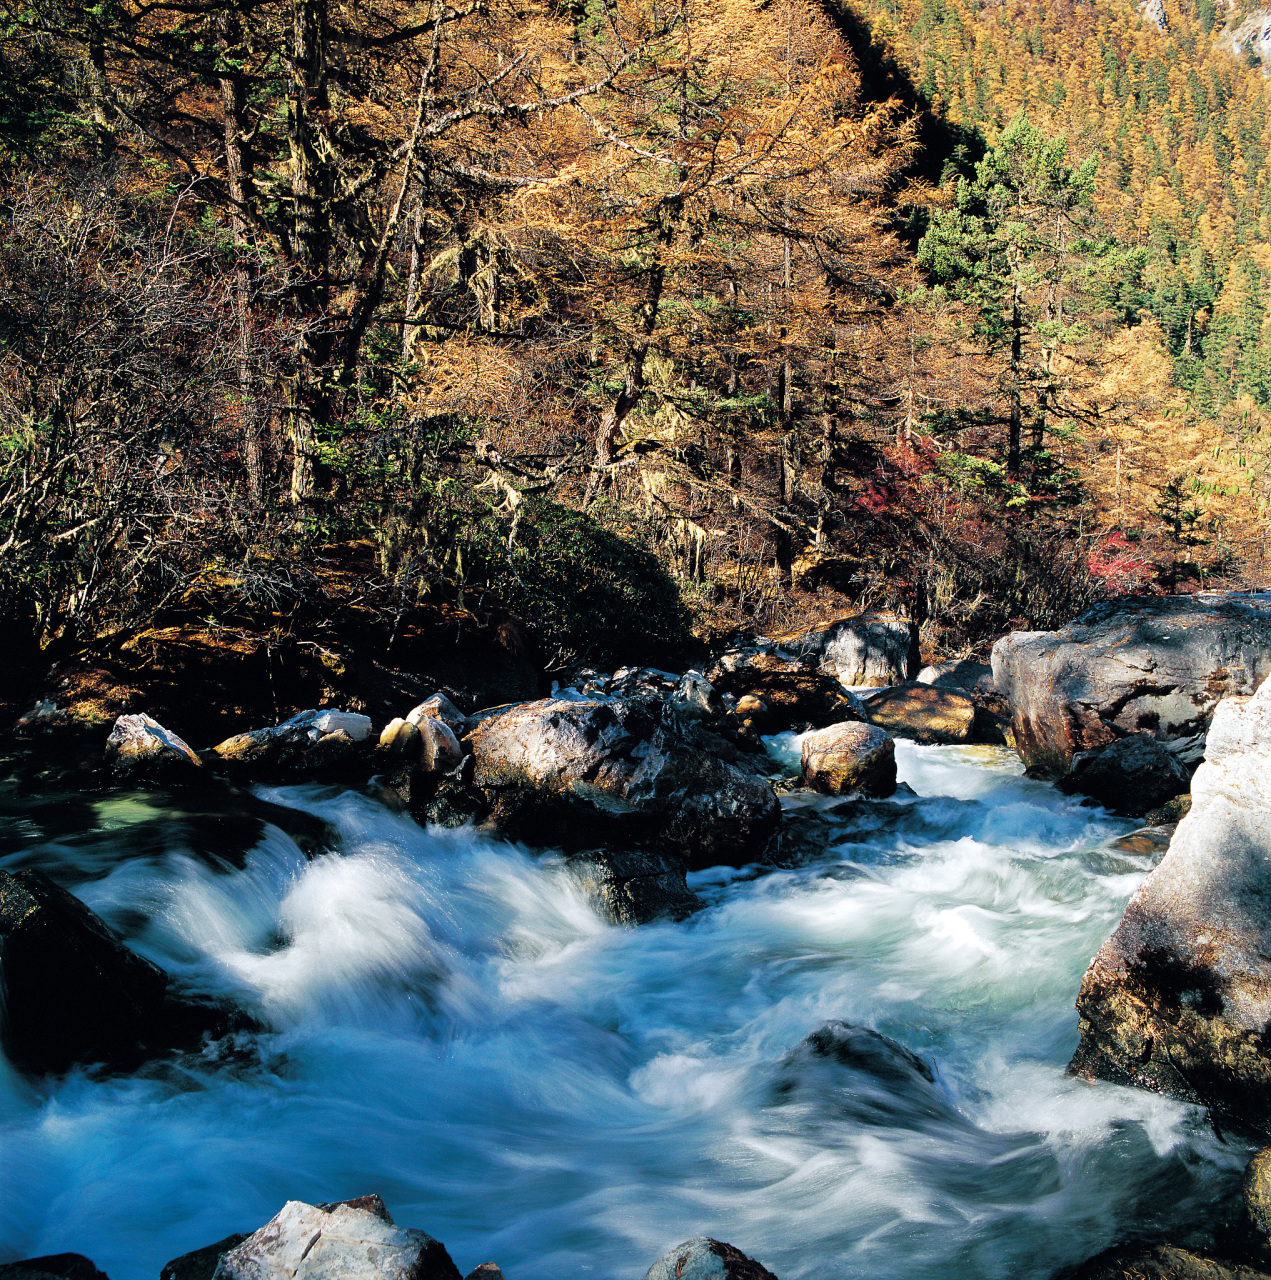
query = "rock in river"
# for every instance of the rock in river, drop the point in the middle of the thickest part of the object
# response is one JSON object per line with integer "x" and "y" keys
{"x": 579, "y": 772}
{"x": 350, "y": 1240}
{"x": 1159, "y": 664}
{"x": 707, "y": 1259}
{"x": 1132, "y": 775}
{"x": 850, "y": 757}
{"x": 923, "y": 713}
{"x": 139, "y": 747}
{"x": 73, "y": 991}
{"x": 1179, "y": 998}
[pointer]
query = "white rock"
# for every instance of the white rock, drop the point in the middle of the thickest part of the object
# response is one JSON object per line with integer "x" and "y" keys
{"x": 356, "y": 726}
{"x": 339, "y": 1242}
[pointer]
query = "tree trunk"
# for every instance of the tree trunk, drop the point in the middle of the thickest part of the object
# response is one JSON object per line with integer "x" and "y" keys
{"x": 237, "y": 177}
{"x": 1016, "y": 418}
{"x": 312, "y": 188}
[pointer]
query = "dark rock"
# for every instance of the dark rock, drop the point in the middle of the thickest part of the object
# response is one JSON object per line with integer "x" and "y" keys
{"x": 1131, "y": 776}
{"x": 1159, "y": 665}
{"x": 73, "y": 991}
{"x": 1171, "y": 813}
{"x": 706, "y": 1259}
{"x": 793, "y": 693}
{"x": 695, "y": 698}
{"x": 200, "y": 1264}
{"x": 55, "y": 1266}
{"x": 850, "y": 757}
{"x": 1160, "y": 1262}
{"x": 349, "y": 1240}
{"x": 486, "y": 1271}
{"x": 1178, "y": 1000}
{"x": 1145, "y": 841}
{"x": 581, "y": 773}
{"x": 923, "y": 712}
{"x": 634, "y": 887}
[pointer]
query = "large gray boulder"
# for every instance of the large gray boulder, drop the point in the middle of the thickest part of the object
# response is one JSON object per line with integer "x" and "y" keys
{"x": 1159, "y": 665}
{"x": 1179, "y": 998}
{"x": 351, "y": 1240}
{"x": 707, "y": 1259}
{"x": 871, "y": 649}
{"x": 582, "y": 772}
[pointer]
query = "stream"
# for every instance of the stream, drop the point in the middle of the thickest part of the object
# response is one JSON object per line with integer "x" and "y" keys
{"x": 450, "y": 1024}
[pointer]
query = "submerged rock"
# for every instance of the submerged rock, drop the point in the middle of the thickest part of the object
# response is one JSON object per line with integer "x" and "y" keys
{"x": 1131, "y": 776}
{"x": 350, "y": 1240}
{"x": 1179, "y": 998}
{"x": 580, "y": 772}
{"x": 707, "y": 1259}
{"x": 635, "y": 887}
{"x": 139, "y": 747}
{"x": 54, "y": 1266}
{"x": 850, "y": 757}
{"x": 73, "y": 991}
{"x": 923, "y": 712}
{"x": 1159, "y": 665}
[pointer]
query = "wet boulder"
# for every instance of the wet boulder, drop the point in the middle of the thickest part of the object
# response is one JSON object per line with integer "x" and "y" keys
{"x": 923, "y": 712}
{"x": 850, "y": 757}
{"x": 1178, "y": 999}
{"x": 200, "y": 1264}
{"x": 141, "y": 748}
{"x": 350, "y": 1240}
{"x": 1132, "y": 775}
{"x": 634, "y": 886}
{"x": 707, "y": 1259}
{"x": 793, "y": 694}
{"x": 1158, "y": 665}
{"x": 315, "y": 743}
{"x": 439, "y": 707}
{"x": 73, "y": 991}
{"x": 579, "y": 773}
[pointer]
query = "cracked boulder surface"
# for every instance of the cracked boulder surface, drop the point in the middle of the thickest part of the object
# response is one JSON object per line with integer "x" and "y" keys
{"x": 1178, "y": 1000}
{"x": 1158, "y": 665}
{"x": 578, "y": 773}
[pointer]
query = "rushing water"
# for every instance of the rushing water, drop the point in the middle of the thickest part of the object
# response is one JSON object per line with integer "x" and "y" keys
{"x": 451, "y": 1025}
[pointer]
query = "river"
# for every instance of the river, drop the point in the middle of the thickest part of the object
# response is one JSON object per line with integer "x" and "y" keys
{"x": 450, "y": 1024}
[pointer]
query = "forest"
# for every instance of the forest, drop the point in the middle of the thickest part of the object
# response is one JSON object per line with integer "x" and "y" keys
{"x": 631, "y": 320}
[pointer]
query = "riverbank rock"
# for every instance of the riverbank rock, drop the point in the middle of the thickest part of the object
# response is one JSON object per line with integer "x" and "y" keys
{"x": 922, "y": 712}
{"x": 579, "y": 773}
{"x": 1131, "y": 776}
{"x": 850, "y": 757}
{"x": 872, "y": 649}
{"x": 967, "y": 675}
{"x": 141, "y": 748}
{"x": 1179, "y": 998}
{"x": 73, "y": 991}
{"x": 707, "y": 1259}
{"x": 350, "y": 1240}
{"x": 1159, "y": 665}
{"x": 315, "y": 743}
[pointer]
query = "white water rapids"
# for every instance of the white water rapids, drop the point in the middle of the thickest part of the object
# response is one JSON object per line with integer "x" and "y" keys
{"x": 452, "y": 1026}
